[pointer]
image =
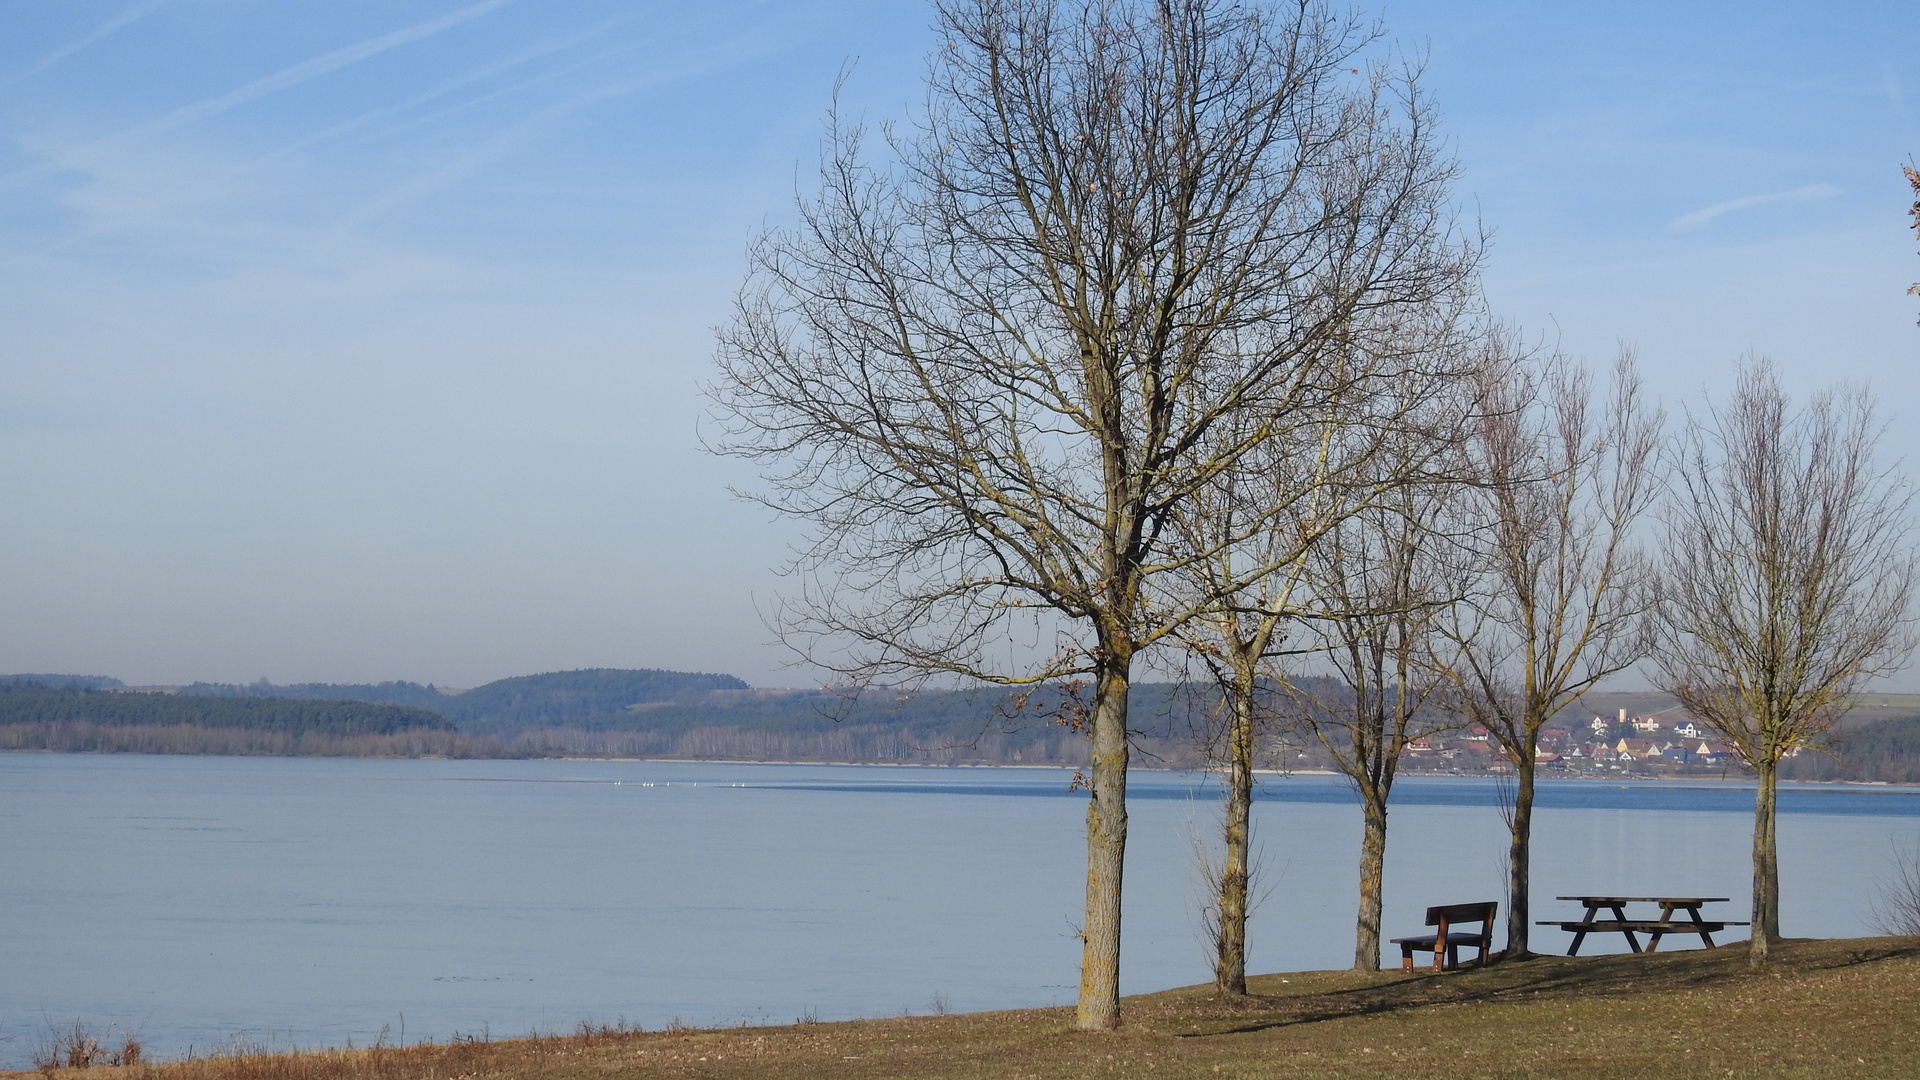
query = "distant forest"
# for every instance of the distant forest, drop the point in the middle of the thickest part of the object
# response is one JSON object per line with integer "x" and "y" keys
{"x": 392, "y": 693}
{"x": 64, "y": 682}
{"x": 667, "y": 714}
{"x": 28, "y": 703}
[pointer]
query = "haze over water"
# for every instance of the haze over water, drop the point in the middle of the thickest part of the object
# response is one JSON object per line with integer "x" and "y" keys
{"x": 311, "y": 901}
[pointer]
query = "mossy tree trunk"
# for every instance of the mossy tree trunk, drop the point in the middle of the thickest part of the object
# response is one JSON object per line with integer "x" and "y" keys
{"x": 1230, "y": 960}
{"x": 1099, "y": 1004}
{"x": 1373, "y": 860}
{"x": 1520, "y": 859}
{"x": 1766, "y": 866}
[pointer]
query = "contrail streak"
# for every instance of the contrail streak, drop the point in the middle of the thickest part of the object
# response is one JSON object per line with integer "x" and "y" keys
{"x": 1702, "y": 216}
{"x": 132, "y": 14}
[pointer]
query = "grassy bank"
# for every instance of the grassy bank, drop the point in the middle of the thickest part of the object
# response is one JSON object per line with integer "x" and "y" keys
{"x": 1842, "y": 1008}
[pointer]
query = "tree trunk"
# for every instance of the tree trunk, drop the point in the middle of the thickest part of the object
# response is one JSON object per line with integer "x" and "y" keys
{"x": 1766, "y": 868}
{"x": 1373, "y": 857}
{"x": 1099, "y": 1008}
{"x": 1518, "y": 854}
{"x": 1230, "y": 965}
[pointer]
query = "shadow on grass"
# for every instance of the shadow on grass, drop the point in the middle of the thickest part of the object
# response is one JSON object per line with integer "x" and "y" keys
{"x": 1539, "y": 978}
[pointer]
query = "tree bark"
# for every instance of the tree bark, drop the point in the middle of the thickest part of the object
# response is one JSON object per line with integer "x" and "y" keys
{"x": 1373, "y": 857}
{"x": 1230, "y": 966}
{"x": 1766, "y": 868}
{"x": 1519, "y": 854}
{"x": 1099, "y": 1005}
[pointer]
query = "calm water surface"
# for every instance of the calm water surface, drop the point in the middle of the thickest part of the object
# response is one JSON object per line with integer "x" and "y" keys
{"x": 311, "y": 901}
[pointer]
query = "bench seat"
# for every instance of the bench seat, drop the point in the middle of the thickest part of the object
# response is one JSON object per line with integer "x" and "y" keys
{"x": 1445, "y": 944}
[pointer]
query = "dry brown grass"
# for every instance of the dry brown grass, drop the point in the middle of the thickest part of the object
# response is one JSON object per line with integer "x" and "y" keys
{"x": 1847, "y": 1008}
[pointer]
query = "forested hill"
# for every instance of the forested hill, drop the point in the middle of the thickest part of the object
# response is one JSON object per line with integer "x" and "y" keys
{"x": 1887, "y": 751}
{"x": 39, "y": 704}
{"x": 589, "y": 697}
{"x": 62, "y": 682}
{"x": 393, "y": 693}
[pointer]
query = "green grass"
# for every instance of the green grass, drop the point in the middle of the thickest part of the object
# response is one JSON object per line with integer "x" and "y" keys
{"x": 1841, "y": 1008}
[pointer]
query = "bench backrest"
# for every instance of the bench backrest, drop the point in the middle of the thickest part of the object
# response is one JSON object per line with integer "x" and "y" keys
{"x": 1454, "y": 914}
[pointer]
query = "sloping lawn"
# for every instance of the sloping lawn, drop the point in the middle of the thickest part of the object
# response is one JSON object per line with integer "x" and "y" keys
{"x": 1840, "y": 1008}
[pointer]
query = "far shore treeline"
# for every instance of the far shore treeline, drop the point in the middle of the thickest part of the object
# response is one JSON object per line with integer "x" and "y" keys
{"x": 609, "y": 712}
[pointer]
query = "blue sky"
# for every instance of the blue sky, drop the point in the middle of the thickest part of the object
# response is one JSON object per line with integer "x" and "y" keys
{"x": 358, "y": 341}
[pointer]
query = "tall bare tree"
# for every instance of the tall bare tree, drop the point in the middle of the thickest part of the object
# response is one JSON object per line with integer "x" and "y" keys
{"x": 992, "y": 366}
{"x": 1379, "y": 586}
{"x": 1563, "y": 592}
{"x": 1380, "y": 439}
{"x": 1787, "y": 583}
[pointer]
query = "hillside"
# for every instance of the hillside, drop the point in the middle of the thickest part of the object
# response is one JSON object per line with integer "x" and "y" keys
{"x": 593, "y": 698}
{"x": 63, "y": 682}
{"x": 1823, "y": 1010}
{"x": 35, "y": 704}
{"x": 391, "y": 693}
{"x": 670, "y": 714}
{"x": 38, "y": 717}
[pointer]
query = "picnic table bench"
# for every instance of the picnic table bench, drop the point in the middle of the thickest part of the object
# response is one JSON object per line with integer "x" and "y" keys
{"x": 1655, "y": 929}
{"x": 1445, "y": 942}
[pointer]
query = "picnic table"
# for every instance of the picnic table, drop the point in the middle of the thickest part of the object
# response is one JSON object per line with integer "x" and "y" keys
{"x": 1655, "y": 929}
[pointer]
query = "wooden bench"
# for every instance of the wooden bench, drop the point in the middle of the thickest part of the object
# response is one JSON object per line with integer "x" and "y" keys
{"x": 1444, "y": 943}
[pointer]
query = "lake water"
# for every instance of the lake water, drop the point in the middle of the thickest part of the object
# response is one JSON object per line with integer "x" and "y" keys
{"x": 306, "y": 901}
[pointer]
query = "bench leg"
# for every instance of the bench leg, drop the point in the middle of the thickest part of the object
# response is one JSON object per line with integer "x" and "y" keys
{"x": 1453, "y": 958}
{"x": 1406, "y": 958}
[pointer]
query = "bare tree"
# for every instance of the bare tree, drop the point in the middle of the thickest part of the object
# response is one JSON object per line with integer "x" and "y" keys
{"x": 1786, "y": 585}
{"x": 990, "y": 369}
{"x": 1896, "y": 904}
{"x": 1563, "y": 592}
{"x": 1380, "y": 437}
{"x": 1913, "y": 177}
{"x": 1379, "y": 586}
{"x": 1361, "y": 459}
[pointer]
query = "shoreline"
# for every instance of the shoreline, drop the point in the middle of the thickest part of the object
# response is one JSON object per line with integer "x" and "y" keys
{"x": 1553, "y": 776}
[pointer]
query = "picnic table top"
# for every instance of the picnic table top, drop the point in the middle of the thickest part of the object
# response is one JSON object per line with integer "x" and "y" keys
{"x": 1649, "y": 926}
{"x": 1676, "y": 901}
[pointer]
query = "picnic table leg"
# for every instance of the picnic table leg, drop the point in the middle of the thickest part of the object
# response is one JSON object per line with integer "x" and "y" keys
{"x": 1619, "y": 912}
{"x": 1581, "y": 935}
{"x": 1693, "y": 912}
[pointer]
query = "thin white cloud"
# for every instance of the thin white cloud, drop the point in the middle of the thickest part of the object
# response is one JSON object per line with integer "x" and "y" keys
{"x": 130, "y": 15}
{"x": 283, "y": 79}
{"x": 1685, "y": 222}
{"x": 720, "y": 56}
{"x": 314, "y": 68}
{"x": 503, "y": 65}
